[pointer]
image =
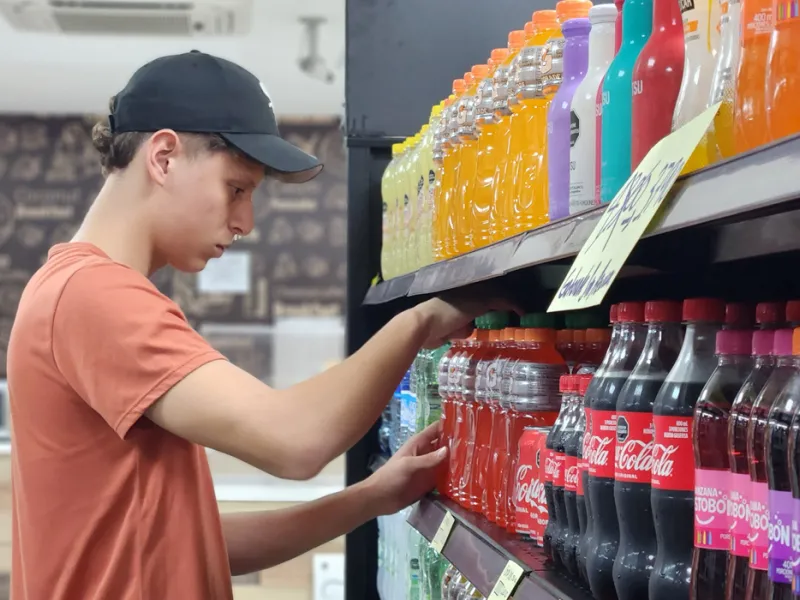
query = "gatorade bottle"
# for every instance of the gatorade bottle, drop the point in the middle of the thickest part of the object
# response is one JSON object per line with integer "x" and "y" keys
{"x": 615, "y": 166}
{"x": 386, "y": 201}
{"x": 427, "y": 171}
{"x": 697, "y": 73}
{"x": 529, "y": 201}
{"x": 401, "y": 195}
{"x": 783, "y": 72}
{"x": 723, "y": 82}
{"x": 439, "y": 217}
{"x": 582, "y": 153}
{"x": 411, "y": 214}
{"x": 504, "y": 98}
{"x": 452, "y": 161}
{"x": 749, "y": 109}
{"x": 465, "y": 179}
{"x": 562, "y": 129}
{"x": 489, "y": 150}
{"x": 657, "y": 80}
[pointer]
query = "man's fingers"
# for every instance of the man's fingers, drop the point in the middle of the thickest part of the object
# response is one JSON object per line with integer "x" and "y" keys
{"x": 431, "y": 459}
{"x": 426, "y": 439}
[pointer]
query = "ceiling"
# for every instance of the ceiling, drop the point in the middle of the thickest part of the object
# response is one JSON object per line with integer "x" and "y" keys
{"x": 76, "y": 74}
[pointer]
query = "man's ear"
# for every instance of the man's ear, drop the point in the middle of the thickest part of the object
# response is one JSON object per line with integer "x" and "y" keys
{"x": 160, "y": 150}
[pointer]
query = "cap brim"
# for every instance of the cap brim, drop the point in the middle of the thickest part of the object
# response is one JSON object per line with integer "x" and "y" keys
{"x": 286, "y": 162}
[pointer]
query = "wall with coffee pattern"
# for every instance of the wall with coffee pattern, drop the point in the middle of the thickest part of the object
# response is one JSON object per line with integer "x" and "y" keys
{"x": 49, "y": 175}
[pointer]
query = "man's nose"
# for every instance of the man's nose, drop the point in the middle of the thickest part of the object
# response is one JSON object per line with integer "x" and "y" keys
{"x": 242, "y": 217}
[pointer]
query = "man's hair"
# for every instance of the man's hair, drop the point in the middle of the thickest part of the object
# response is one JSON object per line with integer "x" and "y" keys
{"x": 118, "y": 149}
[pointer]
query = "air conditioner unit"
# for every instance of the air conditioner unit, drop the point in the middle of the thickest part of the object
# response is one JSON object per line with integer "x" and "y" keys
{"x": 202, "y": 18}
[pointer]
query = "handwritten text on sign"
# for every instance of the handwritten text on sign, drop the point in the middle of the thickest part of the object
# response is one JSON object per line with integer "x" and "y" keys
{"x": 627, "y": 217}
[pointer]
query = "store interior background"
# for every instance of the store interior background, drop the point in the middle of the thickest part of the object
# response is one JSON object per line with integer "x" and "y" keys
{"x": 275, "y": 306}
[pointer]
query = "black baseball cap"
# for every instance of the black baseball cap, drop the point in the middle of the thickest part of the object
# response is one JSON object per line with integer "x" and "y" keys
{"x": 195, "y": 92}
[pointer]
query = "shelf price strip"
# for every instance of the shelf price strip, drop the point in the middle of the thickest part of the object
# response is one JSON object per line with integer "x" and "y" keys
{"x": 443, "y": 533}
{"x": 627, "y": 217}
{"x": 507, "y": 582}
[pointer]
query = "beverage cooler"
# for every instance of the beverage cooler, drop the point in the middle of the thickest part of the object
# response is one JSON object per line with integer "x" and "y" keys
{"x": 644, "y": 448}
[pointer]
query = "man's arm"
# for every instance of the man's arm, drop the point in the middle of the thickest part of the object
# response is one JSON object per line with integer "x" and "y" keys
{"x": 294, "y": 433}
{"x": 260, "y": 540}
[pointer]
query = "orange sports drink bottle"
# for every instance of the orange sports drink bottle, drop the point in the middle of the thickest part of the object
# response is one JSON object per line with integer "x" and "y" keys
{"x": 783, "y": 72}
{"x": 468, "y": 153}
{"x": 450, "y": 170}
{"x": 749, "y": 108}
{"x": 489, "y": 148}
{"x": 441, "y": 145}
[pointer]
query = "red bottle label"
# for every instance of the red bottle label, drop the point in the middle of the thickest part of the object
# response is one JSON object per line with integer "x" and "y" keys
{"x": 549, "y": 465}
{"x": 634, "y": 452}
{"x": 673, "y": 454}
{"x": 559, "y": 461}
{"x": 583, "y": 463}
{"x": 600, "y": 453}
{"x": 571, "y": 473}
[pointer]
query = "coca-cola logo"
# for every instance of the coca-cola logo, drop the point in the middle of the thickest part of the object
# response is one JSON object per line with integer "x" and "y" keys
{"x": 571, "y": 477}
{"x": 529, "y": 492}
{"x": 597, "y": 454}
{"x": 663, "y": 464}
{"x": 635, "y": 455}
{"x": 623, "y": 429}
{"x": 550, "y": 467}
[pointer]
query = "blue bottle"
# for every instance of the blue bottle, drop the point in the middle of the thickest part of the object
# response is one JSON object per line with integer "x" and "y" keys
{"x": 615, "y": 165}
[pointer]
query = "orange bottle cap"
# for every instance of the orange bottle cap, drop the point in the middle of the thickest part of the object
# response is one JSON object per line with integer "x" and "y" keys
{"x": 508, "y": 334}
{"x": 499, "y": 55}
{"x": 598, "y": 336}
{"x": 519, "y": 334}
{"x": 459, "y": 86}
{"x": 516, "y": 39}
{"x": 540, "y": 335}
{"x": 564, "y": 336}
{"x": 530, "y": 29}
{"x": 469, "y": 79}
{"x": 495, "y": 335}
{"x": 579, "y": 336}
{"x": 796, "y": 341}
{"x": 572, "y": 9}
{"x": 546, "y": 17}
{"x": 480, "y": 72}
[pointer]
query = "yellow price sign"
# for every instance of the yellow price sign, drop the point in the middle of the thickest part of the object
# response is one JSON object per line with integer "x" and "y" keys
{"x": 507, "y": 582}
{"x": 627, "y": 217}
{"x": 445, "y": 527}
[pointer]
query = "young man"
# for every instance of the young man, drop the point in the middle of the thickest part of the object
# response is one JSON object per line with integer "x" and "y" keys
{"x": 114, "y": 395}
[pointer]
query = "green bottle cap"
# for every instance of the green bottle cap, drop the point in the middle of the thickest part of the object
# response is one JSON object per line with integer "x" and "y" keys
{"x": 539, "y": 321}
{"x": 496, "y": 319}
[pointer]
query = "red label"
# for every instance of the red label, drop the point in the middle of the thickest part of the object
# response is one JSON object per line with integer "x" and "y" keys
{"x": 673, "y": 454}
{"x": 600, "y": 454}
{"x": 549, "y": 465}
{"x": 634, "y": 452}
{"x": 571, "y": 473}
{"x": 559, "y": 460}
{"x": 583, "y": 463}
{"x": 529, "y": 497}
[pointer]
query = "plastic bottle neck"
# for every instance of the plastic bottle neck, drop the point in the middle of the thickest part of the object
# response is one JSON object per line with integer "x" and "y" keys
{"x": 725, "y": 360}
{"x": 667, "y": 16}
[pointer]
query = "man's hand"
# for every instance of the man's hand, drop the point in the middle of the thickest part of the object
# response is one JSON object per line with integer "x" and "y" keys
{"x": 410, "y": 473}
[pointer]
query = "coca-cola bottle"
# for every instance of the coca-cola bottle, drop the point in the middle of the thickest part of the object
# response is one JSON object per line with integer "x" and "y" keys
{"x": 602, "y": 399}
{"x": 569, "y": 533}
{"x": 712, "y": 480}
{"x": 770, "y": 315}
{"x": 672, "y": 483}
{"x": 781, "y": 509}
{"x": 634, "y": 455}
{"x": 583, "y": 468}
{"x": 793, "y": 313}
{"x": 583, "y": 474}
{"x": 736, "y": 579}
{"x": 554, "y": 479}
{"x": 785, "y": 368}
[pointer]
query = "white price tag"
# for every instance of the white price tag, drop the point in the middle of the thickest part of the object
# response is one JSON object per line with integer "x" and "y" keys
{"x": 507, "y": 582}
{"x": 446, "y": 526}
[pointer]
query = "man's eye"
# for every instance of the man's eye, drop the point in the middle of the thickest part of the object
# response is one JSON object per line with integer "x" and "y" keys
{"x": 237, "y": 190}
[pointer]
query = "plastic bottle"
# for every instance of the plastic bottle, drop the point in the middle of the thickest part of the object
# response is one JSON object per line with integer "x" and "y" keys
{"x": 712, "y": 476}
{"x": 450, "y": 170}
{"x": 615, "y": 168}
{"x": 593, "y": 352}
{"x": 582, "y": 153}
{"x": 562, "y": 129}
{"x": 445, "y": 370}
{"x": 672, "y": 491}
{"x": 634, "y": 456}
{"x": 387, "y": 201}
{"x": 602, "y": 397}
{"x": 618, "y": 25}
{"x": 574, "y": 493}
{"x": 426, "y": 186}
{"x": 785, "y": 368}
{"x": 736, "y": 579}
{"x": 697, "y": 74}
{"x": 564, "y": 498}
{"x": 582, "y": 435}
{"x": 490, "y": 140}
{"x": 441, "y": 143}
{"x": 657, "y": 80}
{"x": 750, "y": 112}
{"x": 467, "y": 166}
{"x": 529, "y": 197}
{"x": 794, "y": 480}
{"x": 415, "y": 202}
{"x": 783, "y": 72}
{"x": 504, "y": 96}
{"x": 723, "y": 82}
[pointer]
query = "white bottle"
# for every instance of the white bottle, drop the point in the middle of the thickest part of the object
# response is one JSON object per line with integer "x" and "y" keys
{"x": 702, "y": 41}
{"x": 583, "y": 151}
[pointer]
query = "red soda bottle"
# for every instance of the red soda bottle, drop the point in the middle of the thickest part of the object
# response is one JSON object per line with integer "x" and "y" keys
{"x": 447, "y": 366}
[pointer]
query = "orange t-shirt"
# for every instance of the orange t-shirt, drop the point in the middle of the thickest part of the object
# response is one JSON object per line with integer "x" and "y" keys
{"x": 106, "y": 504}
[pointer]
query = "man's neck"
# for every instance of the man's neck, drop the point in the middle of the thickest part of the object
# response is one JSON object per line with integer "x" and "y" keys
{"x": 117, "y": 224}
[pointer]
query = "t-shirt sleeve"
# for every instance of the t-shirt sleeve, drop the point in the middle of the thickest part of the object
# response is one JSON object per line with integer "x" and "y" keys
{"x": 121, "y": 344}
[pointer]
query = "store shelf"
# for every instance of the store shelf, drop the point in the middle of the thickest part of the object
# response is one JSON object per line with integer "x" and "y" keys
{"x": 748, "y": 203}
{"x": 480, "y": 551}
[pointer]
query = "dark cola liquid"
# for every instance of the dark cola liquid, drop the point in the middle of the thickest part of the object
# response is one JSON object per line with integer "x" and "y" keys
{"x": 553, "y": 529}
{"x": 585, "y": 542}
{"x": 573, "y": 442}
{"x": 637, "y": 537}
{"x": 605, "y": 528}
{"x": 562, "y": 534}
{"x": 673, "y": 510}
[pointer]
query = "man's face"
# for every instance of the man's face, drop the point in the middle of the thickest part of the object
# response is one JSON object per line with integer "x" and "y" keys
{"x": 205, "y": 200}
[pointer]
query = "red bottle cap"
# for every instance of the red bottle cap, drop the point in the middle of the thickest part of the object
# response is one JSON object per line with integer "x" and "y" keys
{"x": 585, "y": 380}
{"x": 704, "y": 309}
{"x": 734, "y": 342}
{"x": 783, "y": 343}
{"x": 630, "y": 312}
{"x": 738, "y": 315}
{"x": 564, "y": 384}
{"x": 770, "y": 312}
{"x": 793, "y": 311}
{"x": 662, "y": 311}
{"x": 614, "y": 313}
{"x": 574, "y": 384}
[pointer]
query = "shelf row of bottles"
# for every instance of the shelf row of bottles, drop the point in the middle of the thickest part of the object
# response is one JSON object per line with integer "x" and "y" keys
{"x": 555, "y": 122}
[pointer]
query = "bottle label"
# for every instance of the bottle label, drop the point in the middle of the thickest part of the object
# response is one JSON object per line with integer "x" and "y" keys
{"x": 552, "y": 65}
{"x": 571, "y": 473}
{"x": 711, "y": 525}
{"x": 431, "y": 189}
{"x": 549, "y": 465}
{"x": 559, "y": 462}
{"x": 583, "y": 463}
{"x": 796, "y": 545}
{"x": 759, "y": 526}
{"x": 786, "y": 9}
{"x": 781, "y": 511}
{"x": 600, "y": 453}
{"x": 673, "y": 454}
{"x": 757, "y": 19}
{"x": 634, "y": 448}
{"x": 739, "y": 513}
